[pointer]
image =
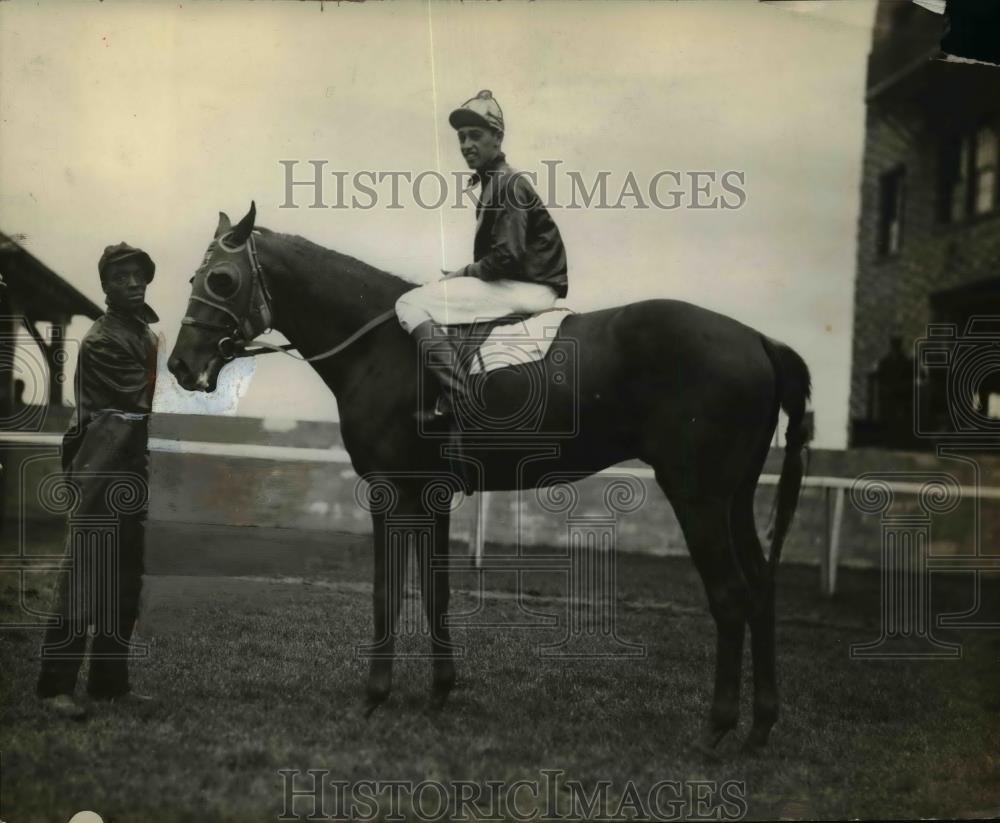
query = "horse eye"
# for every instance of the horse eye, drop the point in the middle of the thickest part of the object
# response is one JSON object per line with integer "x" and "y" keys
{"x": 221, "y": 283}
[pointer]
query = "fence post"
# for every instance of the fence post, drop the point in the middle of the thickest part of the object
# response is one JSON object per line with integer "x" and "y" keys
{"x": 478, "y": 544}
{"x": 824, "y": 557}
{"x": 838, "y": 517}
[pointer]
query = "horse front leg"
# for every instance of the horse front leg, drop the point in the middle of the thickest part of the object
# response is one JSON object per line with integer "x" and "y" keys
{"x": 436, "y": 591}
{"x": 387, "y": 595}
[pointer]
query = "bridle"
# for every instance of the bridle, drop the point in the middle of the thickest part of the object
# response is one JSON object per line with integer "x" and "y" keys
{"x": 233, "y": 299}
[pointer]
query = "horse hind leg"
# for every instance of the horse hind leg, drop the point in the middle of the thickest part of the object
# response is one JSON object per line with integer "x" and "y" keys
{"x": 706, "y": 527}
{"x": 760, "y": 577}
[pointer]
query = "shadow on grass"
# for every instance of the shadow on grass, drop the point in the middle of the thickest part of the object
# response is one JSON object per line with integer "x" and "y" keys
{"x": 256, "y": 676}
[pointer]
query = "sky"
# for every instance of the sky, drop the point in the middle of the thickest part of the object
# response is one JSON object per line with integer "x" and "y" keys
{"x": 140, "y": 121}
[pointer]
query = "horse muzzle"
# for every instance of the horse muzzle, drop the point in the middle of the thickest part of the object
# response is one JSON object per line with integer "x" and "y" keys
{"x": 188, "y": 379}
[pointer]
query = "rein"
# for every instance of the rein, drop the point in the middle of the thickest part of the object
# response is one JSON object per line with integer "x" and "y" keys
{"x": 268, "y": 348}
{"x": 235, "y": 344}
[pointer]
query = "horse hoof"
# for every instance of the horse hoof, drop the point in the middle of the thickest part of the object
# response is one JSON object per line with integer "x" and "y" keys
{"x": 438, "y": 699}
{"x": 756, "y": 741}
{"x": 707, "y": 745}
{"x": 442, "y": 683}
{"x": 705, "y": 751}
{"x": 373, "y": 699}
{"x": 369, "y": 707}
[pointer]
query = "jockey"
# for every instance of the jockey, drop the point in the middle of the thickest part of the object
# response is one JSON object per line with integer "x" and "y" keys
{"x": 519, "y": 259}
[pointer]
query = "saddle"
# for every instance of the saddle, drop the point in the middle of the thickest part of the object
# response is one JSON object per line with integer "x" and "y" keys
{"x": 484, "y": 328}
{"x": 469, "y": 338}
{"x": 514, "y": 339}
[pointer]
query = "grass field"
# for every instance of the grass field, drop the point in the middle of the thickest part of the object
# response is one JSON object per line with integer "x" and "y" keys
{"x": 254, "y": 675}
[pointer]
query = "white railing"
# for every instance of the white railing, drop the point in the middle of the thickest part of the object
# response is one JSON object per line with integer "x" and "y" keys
{"x": 834, "y": 492}
{"x": 834, "y": 487}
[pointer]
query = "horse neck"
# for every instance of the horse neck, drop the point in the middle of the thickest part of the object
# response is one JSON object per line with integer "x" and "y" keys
{"x": 320, "y": 298}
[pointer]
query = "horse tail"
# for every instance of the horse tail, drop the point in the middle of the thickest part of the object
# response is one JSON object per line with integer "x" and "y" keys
{"x": 794, "y": 389}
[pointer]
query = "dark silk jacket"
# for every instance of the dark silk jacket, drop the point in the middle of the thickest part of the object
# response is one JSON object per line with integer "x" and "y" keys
{"x": 516, "y": 237}
{"x": 116, "y": 374}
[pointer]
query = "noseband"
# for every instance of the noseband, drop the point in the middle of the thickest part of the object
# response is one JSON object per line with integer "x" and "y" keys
{"x": 250, "y": 310}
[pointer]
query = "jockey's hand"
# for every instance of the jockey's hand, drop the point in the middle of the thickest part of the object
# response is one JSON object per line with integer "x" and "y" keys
{"x": 448, "y": 275}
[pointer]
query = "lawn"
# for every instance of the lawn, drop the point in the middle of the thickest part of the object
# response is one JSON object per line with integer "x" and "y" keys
{"x": 256, "y": 674}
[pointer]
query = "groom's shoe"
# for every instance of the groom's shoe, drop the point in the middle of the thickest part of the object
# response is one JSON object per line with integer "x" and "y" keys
{"x": 64, "y": 706}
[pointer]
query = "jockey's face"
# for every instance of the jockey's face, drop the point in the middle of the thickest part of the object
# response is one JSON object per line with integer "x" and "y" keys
{"x": 480, "y": 146}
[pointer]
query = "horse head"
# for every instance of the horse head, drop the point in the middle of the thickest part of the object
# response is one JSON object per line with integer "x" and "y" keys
{"x": 229, "y": 306}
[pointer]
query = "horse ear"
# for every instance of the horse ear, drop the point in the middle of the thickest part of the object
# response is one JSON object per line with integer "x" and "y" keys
{"x": 245, "y": 226}
{"x": 224, "y": 224}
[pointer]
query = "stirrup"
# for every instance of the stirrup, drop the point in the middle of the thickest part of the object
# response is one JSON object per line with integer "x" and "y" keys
{"x": 441, "y": 413}
{"x": 442, "y": 408}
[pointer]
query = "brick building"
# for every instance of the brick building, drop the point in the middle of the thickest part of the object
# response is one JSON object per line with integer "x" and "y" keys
{"x": 928, "y": 236}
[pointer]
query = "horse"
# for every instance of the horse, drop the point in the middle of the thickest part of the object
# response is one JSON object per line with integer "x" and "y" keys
{"x": 693, "y": 393}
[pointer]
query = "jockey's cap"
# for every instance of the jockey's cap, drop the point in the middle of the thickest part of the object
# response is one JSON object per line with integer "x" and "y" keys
{"x": 123, "y": 251}
{"x": 481, "y": 110}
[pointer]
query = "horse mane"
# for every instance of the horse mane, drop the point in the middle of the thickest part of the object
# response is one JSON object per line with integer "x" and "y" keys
{"x": 328, "y": 262}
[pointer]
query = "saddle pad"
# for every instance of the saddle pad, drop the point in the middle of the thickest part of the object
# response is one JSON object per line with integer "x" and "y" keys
{"x": 515, "y": 344}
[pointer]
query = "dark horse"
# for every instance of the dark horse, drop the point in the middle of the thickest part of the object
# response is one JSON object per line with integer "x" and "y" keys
{"x": 694, "y": 394}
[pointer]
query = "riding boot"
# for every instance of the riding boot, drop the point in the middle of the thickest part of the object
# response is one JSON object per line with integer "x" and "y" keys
{"x": 442, "y": 357}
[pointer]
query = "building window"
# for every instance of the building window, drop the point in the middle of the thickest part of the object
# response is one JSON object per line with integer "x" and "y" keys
{"x": 955, "y": 180}
{"x": 984, "y": 171}
{"x": 890, "y": 228}
{"x": 969, "y": 179}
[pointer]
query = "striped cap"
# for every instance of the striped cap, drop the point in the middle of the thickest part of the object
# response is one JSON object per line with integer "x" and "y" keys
{"x": 481, "y": 110}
